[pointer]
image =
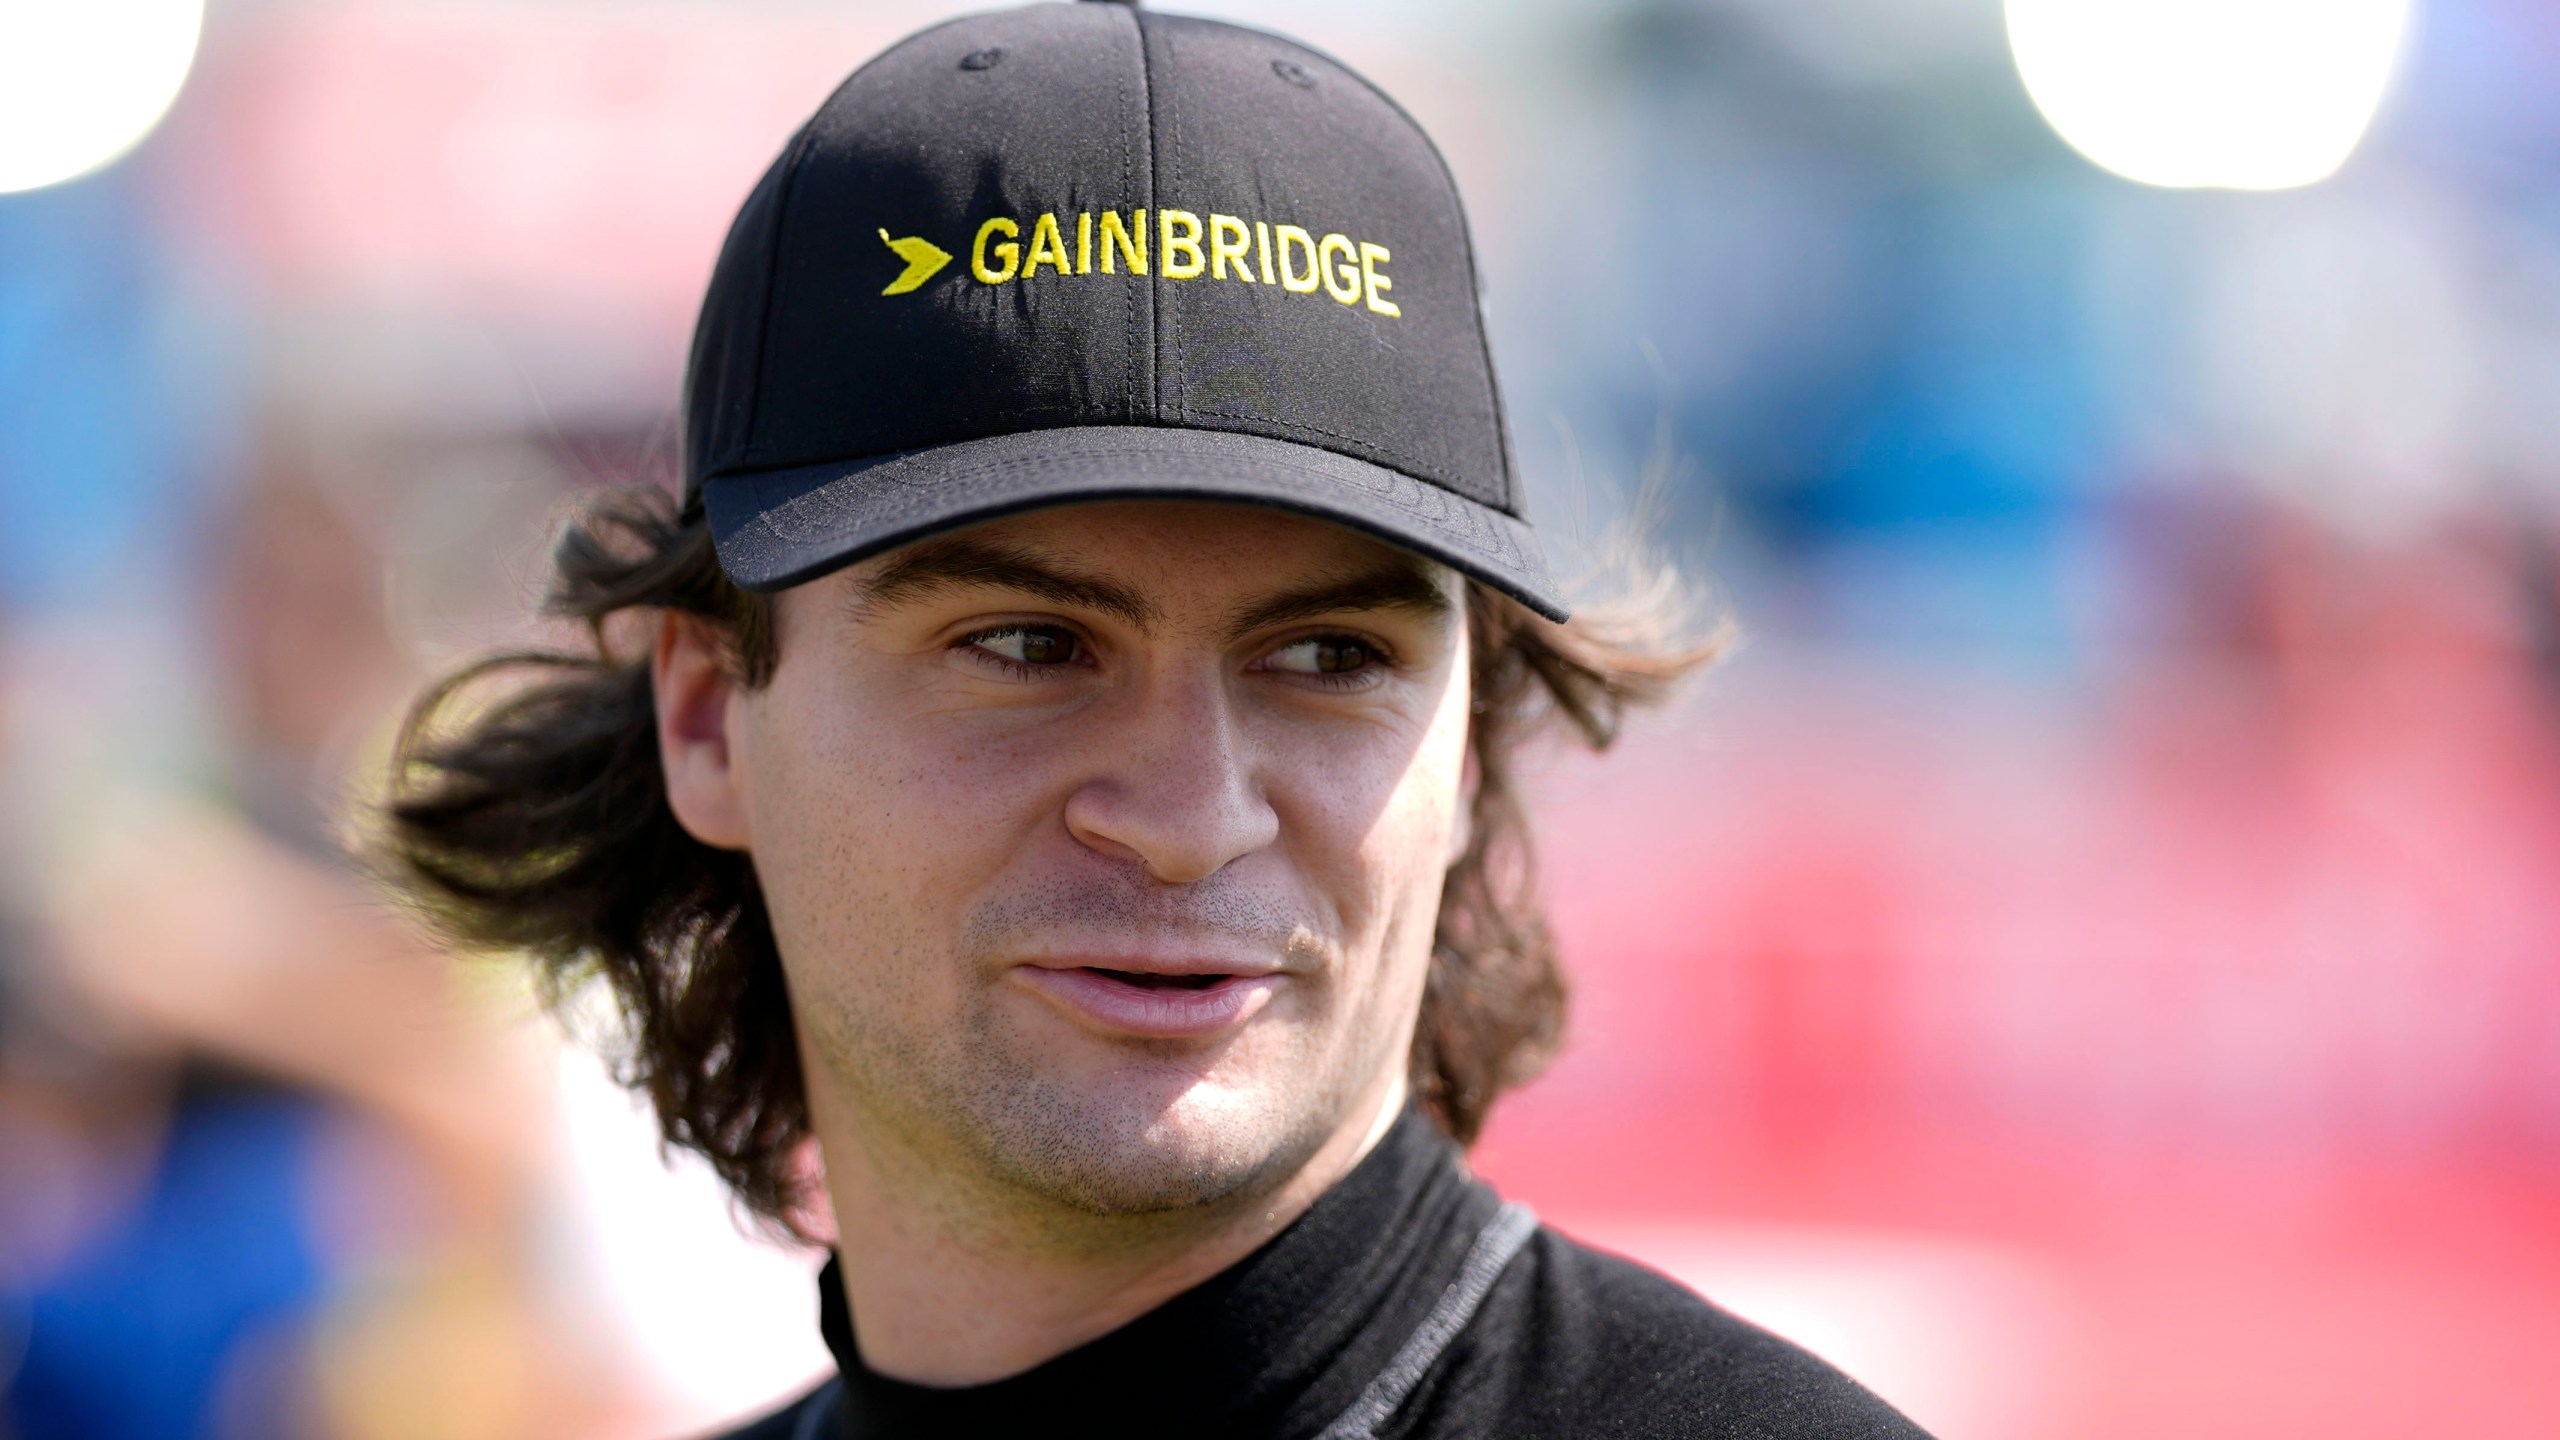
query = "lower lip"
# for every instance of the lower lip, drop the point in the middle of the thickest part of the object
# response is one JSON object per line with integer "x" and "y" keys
{"x": 1152, "y": 1012}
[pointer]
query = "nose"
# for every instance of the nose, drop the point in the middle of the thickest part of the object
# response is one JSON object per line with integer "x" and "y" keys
{"x": 1175, "y": 788}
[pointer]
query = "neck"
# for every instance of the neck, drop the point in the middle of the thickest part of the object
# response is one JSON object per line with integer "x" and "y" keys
{"x": 948, "y": 1289}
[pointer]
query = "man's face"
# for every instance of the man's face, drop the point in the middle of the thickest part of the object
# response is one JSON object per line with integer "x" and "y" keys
{"x": 1104, "y": 844}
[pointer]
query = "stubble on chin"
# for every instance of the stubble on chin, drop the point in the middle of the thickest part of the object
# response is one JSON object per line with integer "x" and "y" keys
{"x": 1000, "y": 1099}
{"x": 1154, "y": 1131}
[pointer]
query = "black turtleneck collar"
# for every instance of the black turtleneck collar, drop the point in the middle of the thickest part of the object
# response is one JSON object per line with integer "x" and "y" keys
{"x": 1275, "y": 1344}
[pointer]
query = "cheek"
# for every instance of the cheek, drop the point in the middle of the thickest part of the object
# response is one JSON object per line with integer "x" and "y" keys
{"x": 1424, "y": 814}
{"x": 1404, "y": 858}
{"x": 1394, "y": 849}
{"x": 870, "y": 833}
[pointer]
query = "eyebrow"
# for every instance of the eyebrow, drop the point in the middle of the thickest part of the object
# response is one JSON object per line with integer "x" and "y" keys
{"x": 1400, "y": 585}
{"x": 941, "y": 566}
{"x": 945, "y": 565}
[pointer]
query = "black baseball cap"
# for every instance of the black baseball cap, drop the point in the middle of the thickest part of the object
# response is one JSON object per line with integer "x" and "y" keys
{"x": 1082, "y": 251}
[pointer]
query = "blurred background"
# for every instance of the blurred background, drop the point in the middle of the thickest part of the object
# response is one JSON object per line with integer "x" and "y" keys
{"x": 2089, "y": 965}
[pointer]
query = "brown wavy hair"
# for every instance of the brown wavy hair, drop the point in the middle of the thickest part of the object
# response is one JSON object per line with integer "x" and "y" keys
{"x": 527, "y": 813}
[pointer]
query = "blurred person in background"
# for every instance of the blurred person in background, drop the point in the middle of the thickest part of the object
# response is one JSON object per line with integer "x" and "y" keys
{"x": 1044, "y": 801}
{"x": 272, "y": 1158}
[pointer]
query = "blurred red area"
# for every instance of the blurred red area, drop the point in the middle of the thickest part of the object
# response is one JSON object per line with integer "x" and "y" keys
{"x": 460, "y": 154}
{"x": 2197, "y": 1037}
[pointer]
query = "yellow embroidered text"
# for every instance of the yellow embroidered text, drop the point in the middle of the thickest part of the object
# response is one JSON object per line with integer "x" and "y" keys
{"x": 1187, "y": 246}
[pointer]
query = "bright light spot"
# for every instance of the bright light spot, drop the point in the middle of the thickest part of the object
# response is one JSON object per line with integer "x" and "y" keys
{"x": 2243, "y": 94}
{"x": 82, "y": 81}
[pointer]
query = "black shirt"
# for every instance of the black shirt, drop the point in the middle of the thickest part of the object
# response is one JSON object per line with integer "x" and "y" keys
{"x": 1538, "y": 1337}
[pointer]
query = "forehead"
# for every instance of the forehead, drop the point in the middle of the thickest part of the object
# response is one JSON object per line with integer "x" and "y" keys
{"x": 1156, "y": 558}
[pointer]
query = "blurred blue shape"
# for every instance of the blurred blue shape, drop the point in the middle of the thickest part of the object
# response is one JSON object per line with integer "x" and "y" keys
{"x": 1986, "y": 403}
{"x": 1871, "y": 328}
{"x": 93, "y": 446}
{"x": 151, "y": 1332}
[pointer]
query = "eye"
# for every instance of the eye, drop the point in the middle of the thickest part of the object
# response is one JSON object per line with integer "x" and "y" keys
{"x": 1029, "y": 647}
{"x": 1331, "y": 656}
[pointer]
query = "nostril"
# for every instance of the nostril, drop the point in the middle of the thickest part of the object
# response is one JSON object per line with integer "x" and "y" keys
{"x": 982, "y": 59}
{"x": 1295, "y": 73}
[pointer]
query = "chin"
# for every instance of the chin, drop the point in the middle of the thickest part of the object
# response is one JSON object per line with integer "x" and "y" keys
{"x": 1142, "y": 1141}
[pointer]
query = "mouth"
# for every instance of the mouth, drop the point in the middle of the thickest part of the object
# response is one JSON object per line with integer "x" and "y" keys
{"x": 1158, "y": 1004}
{"x": 1148, "y": 980}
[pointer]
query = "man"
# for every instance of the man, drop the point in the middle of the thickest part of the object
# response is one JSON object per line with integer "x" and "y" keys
{"x": 1068, "y": 774}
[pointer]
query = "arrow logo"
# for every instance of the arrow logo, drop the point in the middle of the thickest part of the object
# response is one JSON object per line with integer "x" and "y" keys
{"x": 924, "y": 261}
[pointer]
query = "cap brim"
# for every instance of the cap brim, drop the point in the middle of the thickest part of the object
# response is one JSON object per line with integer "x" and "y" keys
{"x": 777, "y": 528}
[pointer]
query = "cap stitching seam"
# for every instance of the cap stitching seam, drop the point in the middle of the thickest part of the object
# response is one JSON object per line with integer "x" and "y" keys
{"x": 1408, "y": 493}
{"x": 1169, "y": 326}
{"x": 1408, "y": 461}
{"x": 1413, "y": 460}
{"x": 1479, "y": 528}
{"x": 1158, "y": 314}
{"x": 1534, "y": 586}
{"x": 1182, "y": 168}
{"x": 1128, "y": 182}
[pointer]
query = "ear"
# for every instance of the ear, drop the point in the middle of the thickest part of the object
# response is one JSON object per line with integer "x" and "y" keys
{"x": 697, "y": 744}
